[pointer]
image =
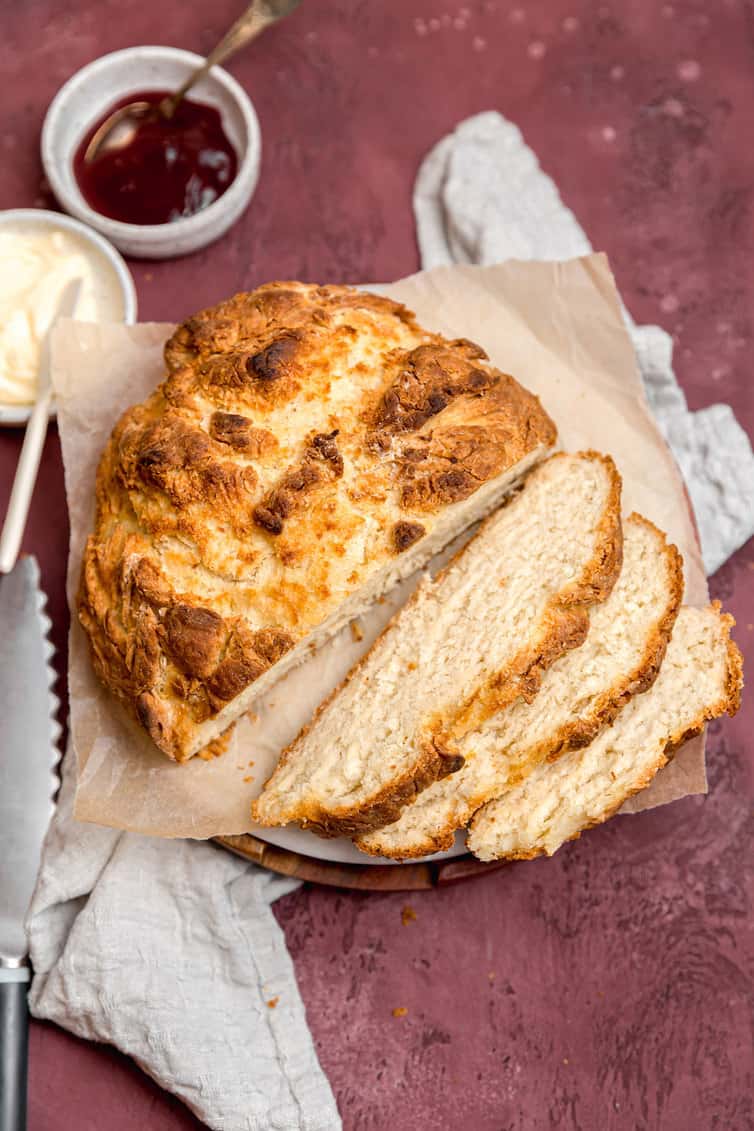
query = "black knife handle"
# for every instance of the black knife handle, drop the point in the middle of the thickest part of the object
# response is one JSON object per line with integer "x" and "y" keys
{"x": 14, "y": 1054}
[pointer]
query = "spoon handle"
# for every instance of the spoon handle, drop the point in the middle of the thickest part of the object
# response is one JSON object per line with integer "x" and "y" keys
{"x": 258, "y": 16}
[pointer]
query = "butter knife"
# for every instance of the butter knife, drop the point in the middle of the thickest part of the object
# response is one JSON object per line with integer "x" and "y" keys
{"x": 28, "y": 782}
{"x": 34, "y": 438}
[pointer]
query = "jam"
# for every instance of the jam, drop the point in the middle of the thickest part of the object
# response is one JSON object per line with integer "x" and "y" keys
{"x": 168, "y": 170}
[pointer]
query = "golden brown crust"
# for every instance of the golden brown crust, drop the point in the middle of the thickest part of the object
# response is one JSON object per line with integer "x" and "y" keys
{"x": 404, "y": 534}
{"x": 257, "y": 487}
{"x": 579, "y": 732}
{"x": 240, "y": 434}
{"x": 446, "y": 465}
{"x": 728, "y": 704}
{"x": 386, "y": 806}
{"x": 731, "y": 701}
{"x": 321, "y": 463}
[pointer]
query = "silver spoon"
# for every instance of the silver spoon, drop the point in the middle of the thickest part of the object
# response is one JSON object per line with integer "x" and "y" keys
{"x": 118, "y": 128}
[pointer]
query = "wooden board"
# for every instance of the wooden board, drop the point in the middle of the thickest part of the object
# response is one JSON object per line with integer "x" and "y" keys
{"x": 365, "y": 877}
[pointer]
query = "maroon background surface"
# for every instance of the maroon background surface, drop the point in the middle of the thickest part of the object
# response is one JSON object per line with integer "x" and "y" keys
{"x": 610, "y": 987}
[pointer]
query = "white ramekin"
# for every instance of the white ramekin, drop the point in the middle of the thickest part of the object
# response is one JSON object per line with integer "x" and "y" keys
{"x": 92, "y": 90}
{"x": 102, "y": 254}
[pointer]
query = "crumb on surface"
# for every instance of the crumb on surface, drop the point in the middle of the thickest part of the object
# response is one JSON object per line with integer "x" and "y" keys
{"x": 400, "y": 1011}
{"x": 217, "y": 747}
{"x": 272, "y": 1002}
{"x": 357, "y": 632}
{"x": 408, "y": 915}
{"x": 249, "y": 777}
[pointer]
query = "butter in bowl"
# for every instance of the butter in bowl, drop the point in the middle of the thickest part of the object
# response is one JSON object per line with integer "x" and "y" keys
{"x": 41, "y": 253}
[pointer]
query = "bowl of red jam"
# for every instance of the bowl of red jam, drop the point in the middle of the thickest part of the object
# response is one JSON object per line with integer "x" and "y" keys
{"x": 178, "y": 184}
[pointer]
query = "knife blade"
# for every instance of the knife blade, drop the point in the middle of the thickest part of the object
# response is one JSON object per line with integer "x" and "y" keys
{"x": 28, "y": 782}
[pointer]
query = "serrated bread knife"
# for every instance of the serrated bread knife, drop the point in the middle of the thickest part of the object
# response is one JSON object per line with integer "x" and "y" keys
{"x": 28, "y": 750}
{"x": 28, "y": 781}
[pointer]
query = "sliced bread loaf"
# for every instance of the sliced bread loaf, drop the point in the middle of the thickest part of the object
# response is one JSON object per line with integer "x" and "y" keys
{"x": 700, "y": 679}
{"x": 478, "y": 636}
{"x": 580, "y": 694}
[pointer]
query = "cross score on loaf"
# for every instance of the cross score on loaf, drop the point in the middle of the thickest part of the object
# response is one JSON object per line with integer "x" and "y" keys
{"x": 309, "y": 447}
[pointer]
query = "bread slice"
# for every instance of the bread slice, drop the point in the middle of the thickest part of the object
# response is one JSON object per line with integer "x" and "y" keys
{"x": 580, "y": 694}
{"x": 478, "y": 636}
{"x": 309, "y": 447}
{"x": 700, "y": 679}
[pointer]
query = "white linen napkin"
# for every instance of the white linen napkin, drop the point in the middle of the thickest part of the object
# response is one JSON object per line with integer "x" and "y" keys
{"x": 168, "y": 949}
{"x": 481, "y": 197}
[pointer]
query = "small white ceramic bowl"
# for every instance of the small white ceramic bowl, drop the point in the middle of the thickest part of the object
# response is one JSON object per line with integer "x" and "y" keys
{"x": 105, "y": 260}
{"x": 93, "y": 90}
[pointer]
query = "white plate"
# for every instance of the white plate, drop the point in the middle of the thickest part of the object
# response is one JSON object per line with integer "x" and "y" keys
{"x": 340, "y": 850}
{"x": 108, "y": 261}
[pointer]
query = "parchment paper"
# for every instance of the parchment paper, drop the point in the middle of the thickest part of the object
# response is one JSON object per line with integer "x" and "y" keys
{"x": 556, "y": 326}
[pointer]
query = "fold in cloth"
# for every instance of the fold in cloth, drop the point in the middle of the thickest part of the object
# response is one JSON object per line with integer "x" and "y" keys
{"x": 481, "y": 197}
{"x": 168, "y": 949}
